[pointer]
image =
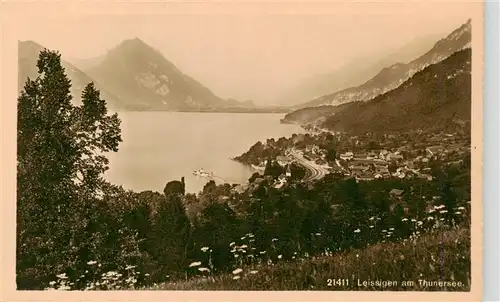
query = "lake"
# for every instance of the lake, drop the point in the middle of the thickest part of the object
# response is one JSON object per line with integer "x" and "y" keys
{"x": 159, "y": 147}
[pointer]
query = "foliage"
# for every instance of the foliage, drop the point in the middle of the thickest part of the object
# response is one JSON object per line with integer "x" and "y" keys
{"x": 75, "y": 231}
{"x": 430, "y": 257}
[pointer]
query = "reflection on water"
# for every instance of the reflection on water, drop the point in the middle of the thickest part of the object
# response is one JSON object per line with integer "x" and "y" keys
{"x": 161, "y": 146}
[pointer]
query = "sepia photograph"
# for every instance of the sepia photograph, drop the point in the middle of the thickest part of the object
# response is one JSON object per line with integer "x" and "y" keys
{"x": 333, "y": 147}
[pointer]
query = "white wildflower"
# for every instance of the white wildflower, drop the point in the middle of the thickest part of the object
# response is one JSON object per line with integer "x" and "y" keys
{"x": 371, "y": 227}
{"x": 443, "y": 212}
{"x": 357, "y": 230}
{"x": 262, "y": 253}
{"x": 280, "y": 256}
{"x": 204, "y": 249}
{"x": 237, "y": 271}
{"x": 430, "y": 218}
{"x": 196, "y": 263}
{"x": 91, "y": 262}
{"x": 232, "y": 243}
{"x": 391, "y": 229}
{"x": 244, "y": 246}
{"x": 461, "y": 208}
{"x": 253, "y": 272}
{"x": 203, "y": 269}
{"x": 318, "y": 234}
{"x": 129, "y": 267}
{"x": 458, "y": 213}
{"x": 419, "y": 222}
{"x": 236, "y": 277}
{"x": 62, "y": 276}
{"x": 404, "y": 219}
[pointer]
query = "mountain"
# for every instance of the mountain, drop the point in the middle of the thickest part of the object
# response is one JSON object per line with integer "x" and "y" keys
{"x": 86, "y": 64}
{"x": 28, "y": 52}
{"x": 354, "y": 73}
{"x": 393, "y": 76}
{"x": 141, "y": 75}
{"x": 438, "y": 97}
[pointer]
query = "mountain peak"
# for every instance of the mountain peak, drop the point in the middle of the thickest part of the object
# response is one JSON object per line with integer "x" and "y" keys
{"x": 133, "y": 43}
{"x": 135, "y": 40}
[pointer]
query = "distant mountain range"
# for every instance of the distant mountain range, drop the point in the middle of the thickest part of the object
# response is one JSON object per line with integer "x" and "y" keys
{"x": 135, "y": 76}
{"x": 27, "y": 59}
{"x": 392, "y": 76}
{"x": 354, "y": 73}
{"x": 437, "y": 98}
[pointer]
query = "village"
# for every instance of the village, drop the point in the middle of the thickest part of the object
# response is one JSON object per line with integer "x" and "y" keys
{"x": 407, "y": 155}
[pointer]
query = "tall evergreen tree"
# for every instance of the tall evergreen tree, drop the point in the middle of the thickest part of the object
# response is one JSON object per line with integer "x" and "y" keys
{"x": 57, "y": 163}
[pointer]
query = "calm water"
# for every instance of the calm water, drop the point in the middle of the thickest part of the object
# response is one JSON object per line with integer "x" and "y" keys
{"x": 159, "y": 147}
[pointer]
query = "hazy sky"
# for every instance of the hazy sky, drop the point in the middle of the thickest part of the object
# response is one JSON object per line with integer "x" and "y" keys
{"x": 254, "y": 56}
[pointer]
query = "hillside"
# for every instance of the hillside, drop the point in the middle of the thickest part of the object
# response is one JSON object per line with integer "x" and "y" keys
{"x": 397, "y": 262}
{"x": 141, "y": 75}
{"x": 311, "y": 115}
{"x": 28, "y": 52}
{"x": 354, "y": 73}
{"x": 393, "y": 76}
{"x": 437, "y": 97}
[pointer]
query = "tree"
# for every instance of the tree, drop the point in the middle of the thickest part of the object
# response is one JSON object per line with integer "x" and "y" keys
{"x": 171, "y": 231}
{"x": 273, "y": 169}
{"x": 392, "y": 167}
{"x": 58, "y": 168}
{"x": 331, "y": 154}
{"x": 253, "y": 177}
{"x": 373, "y": 145}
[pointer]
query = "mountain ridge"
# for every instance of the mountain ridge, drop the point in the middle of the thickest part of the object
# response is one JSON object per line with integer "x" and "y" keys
{"x": 139, "y": 73}
{"x": 354, "y": 73}
{"x": 437, "y": 97}
{"x": 28, "y": 52}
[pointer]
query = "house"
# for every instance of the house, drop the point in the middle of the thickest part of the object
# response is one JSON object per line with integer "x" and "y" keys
{"x": 383, "y": 154}
{"x": 394, "y": 156}
{"x": 347, "y": 156}
{"x": 280, "y": 183}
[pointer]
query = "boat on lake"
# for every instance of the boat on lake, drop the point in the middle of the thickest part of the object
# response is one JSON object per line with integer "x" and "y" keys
{"x": 202, "y": 173}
